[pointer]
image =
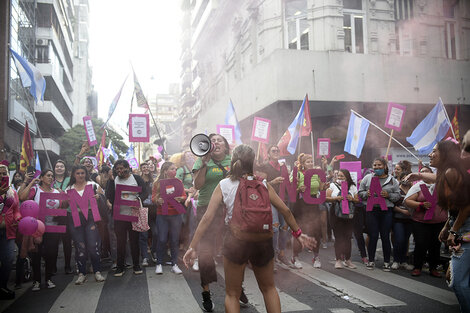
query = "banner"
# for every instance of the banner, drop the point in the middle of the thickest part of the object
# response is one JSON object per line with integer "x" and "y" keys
{"x": 139, "y": 128}
{"x": 395, "y": 116}
{"x": 90, "y": 132}
{"x": 260, "y": 131}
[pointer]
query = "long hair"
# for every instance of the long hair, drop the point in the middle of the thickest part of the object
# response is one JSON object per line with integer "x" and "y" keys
{"x": 301, "y": 159}
{"x": 243, "y": 157}
{"x": 384, "y": 162}
{"x": 72, "y": 175}
{"x": 164, "y": 169}
{"x": 449, "y": 159}
{"x": 43, "y": 173}
{"x": 405, "y": 166}
{"x": 347, "y": 174}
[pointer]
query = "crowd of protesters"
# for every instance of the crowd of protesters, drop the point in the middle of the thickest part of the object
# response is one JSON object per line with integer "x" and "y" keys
{"x": 209, "y": 186}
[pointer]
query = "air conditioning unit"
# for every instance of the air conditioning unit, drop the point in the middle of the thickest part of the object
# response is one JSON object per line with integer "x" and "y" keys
{"x": 42, "y": 42}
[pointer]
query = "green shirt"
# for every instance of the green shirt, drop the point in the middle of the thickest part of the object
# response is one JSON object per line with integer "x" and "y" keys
{"x": 314, "y": 183}
{"x": 62, "y": 185}
{"x": 185, "y": 175}
{"x": 213, "y": 176}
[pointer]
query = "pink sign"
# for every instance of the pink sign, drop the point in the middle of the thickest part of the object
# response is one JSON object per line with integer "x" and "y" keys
{"x": 45, "y": 211}
{"x": 354, "y": 168}
{"x": 118, "y": 201}
{"x": 395, "y": 116}
{"x": 139, "y": 128}
{"x": 308, "y": 182}
{"x": 344, "y": 194}
{"x": 227, "y": 131}
{"x": 90, "y": 132}
{"x": 88, "y": 197}
{"x": 169, "y": 190}
{"x": 261, "y": 128}
{"x": 431, "y": 198}
{"x": 375, "y": 197}
{"x": 323, "y": 147}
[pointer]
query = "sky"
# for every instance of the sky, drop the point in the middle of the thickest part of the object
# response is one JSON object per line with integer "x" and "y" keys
{"x": 144, "y": 33}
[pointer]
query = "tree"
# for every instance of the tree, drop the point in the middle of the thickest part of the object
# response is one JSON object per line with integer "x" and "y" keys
{"x": 72, "y": 140}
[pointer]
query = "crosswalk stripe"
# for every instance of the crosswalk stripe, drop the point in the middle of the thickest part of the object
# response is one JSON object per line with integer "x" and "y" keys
{"x": 341, "y": 311}
{"x": 345, "y": 288}
{"x": 168, "y": 291}
{"x": 408, "y": 284}
{"x": 79, "y": 298}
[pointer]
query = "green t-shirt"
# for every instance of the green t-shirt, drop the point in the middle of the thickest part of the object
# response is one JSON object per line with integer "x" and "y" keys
{"x": 63, "y": 184}
{"x": 314, "y": 183}
{"x": 185, "y": 175}
{"x": 213, "y": 176}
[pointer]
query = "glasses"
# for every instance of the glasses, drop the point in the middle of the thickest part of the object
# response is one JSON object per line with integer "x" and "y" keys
{"x": 275, "y": 150}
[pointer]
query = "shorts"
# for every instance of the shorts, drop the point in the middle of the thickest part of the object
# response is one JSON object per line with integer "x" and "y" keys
{"x": 240, "y": 252}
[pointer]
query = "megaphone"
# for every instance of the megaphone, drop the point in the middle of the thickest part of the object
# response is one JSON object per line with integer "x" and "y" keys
{"x": 200, "y": 145}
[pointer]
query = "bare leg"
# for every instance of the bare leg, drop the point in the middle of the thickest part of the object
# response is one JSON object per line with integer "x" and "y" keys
{"x": 233, "y": 285}
{"x": 264, "y": 276}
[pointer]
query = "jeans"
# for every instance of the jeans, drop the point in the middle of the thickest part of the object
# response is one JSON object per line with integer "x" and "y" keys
{"x": 379, "y": 222}
{"x": 168, "y": 224}
{"x": 122, "y": 229}
{"x": 426, "y": 241}
{"x": 87, "y": 242}
{"x": 48, "y": 249}
{"x": 460, "y": 277}
{"x": 143, "y": 244}
{"x": 401, "y": 237}
{"x": 280, "y": 231}
{"x": 7, "y": 256}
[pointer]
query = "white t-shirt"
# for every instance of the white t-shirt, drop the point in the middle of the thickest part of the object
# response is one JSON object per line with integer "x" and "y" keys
{"x": 80, "y": 192}
{"x": 336, "y": 191}
{"x": 229, "y": 190}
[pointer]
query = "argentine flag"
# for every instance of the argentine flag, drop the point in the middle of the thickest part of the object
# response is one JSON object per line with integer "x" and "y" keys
{"x": 431, "y": 130}
{"x": 112, "y": 152}
{"x": 231, "y": 119}
{"x": 356, "y": 137}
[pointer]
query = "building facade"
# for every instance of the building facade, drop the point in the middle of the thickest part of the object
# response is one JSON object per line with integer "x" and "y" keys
{"x": 362, "y": 54}
{"x": 50, "y": 34}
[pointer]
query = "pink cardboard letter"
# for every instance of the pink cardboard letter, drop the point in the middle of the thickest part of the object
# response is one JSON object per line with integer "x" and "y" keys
{"x": 431, "y": 198}
{"x": 286, "y": 184}
{"x": 375, "y": 197}
{"x": 308, "y": 182}
{"x": 82, "y": 202}
{"x": 169, "y": 190}
{"x": 45, "y": 211}
{"x": 118, "y": 201}
{"x": 344, "y": 194}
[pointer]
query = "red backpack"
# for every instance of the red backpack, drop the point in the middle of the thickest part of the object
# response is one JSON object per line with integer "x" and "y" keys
{"x": 252, "y": 216}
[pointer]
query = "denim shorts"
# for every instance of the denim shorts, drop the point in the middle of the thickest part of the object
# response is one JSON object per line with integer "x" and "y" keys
{"x": 240, "y": 252}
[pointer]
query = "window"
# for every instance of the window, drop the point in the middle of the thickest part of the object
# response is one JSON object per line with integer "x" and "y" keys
{"x": 297, "y": 24}
{"x": 352, "y": 4}
{"x": 449, "y": 39}
{"x": 353, "y": 26}
{"x": 403, "y": 9}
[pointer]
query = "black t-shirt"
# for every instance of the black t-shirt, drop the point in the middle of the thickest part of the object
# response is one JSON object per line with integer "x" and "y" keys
{"x": 271, "y": 173}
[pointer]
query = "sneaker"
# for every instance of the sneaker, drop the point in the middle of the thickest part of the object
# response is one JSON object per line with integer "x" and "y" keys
{"x": 119, "y": 272}
{"x": 316, "y": 262}
{"x": 50, "y": 284}
{"x": 243, "y": 298}
{"x": 207, "y": 304}
{"x": 138, "y": 270}
{"x": 338, "y": 264}
{"x": 324, "y": 245}
{"x": 81, "y": 279}
{"x": 349, "y": 264}
{"x": 195, "y": 266}
{"x": 295, "y": 263}
{"x": 386, "y": 267}
{"x": 154, "y": 258}
{"x": 159, "y": 269}
{"x": 168, "y": 263}
{"x": 282, "y": 259}
{"x": 365, "y": 260}
{"x": 406, "y": 266}
{"x": 435, "y": 273}
{"x": 395, "y": 266}
{"x": 145, "y": 262}
{"x": 36, "y": 286}
{"x": 114, "y": 266}
{"x": 175, "y": 269}
{"x": 416, "y": 272}
{"x": 99, "y": 278}
{"x": 370, "y": 265}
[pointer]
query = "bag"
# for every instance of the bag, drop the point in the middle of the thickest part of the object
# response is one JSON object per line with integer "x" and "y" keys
{"x": 252, "y": 216}
{"x": 339, "y": 210}
{"x": 142, "y": 224}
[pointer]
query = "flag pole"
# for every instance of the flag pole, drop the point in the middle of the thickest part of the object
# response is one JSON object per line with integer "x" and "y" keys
{"x": 383, "y": 131}
{"x": 448, "y": 119}
{"x": 389, "y": 142}
{"x": 313, "y": 148}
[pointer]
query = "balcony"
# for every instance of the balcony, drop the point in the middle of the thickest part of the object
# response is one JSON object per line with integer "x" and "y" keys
{"x": 51, "y": 145}
{"x": 50, "y": 118}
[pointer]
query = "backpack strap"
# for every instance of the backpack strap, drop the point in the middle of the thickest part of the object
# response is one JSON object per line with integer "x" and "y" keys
{"x": 224, "y": 171}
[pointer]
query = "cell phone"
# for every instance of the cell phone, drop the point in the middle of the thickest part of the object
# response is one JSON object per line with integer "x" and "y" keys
{"x": 31, "y": 169}
{"x": 339, "y": 157}
{"x": 5, "y": 181}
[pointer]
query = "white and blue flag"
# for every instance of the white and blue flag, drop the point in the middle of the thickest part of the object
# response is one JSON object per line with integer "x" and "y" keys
{"x": 231, "y": 119}
{"x": 431, "y": 130}
{"x": 30, "y": 77}
{"x": 112, "y": 152}
{"x": 356, "y": 137}
{"x": 130, "y": 153}
{"x": 38, "y": 164}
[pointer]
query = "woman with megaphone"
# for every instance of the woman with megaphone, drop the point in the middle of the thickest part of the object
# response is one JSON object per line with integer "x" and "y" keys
{"x": 209, "y": 169}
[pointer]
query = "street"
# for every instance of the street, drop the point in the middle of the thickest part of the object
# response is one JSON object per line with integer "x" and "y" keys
{"x": 306, "y": 290}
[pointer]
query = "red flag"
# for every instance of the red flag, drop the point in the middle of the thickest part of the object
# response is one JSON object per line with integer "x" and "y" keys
{"x": 263, "y": 151}
{"x": 100, "y": 155}
{"x": 455, "y": 126}
{"x": 283, "y": 142}
{"x": 27, "y": 154}
{"x": 307, "y": 124}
